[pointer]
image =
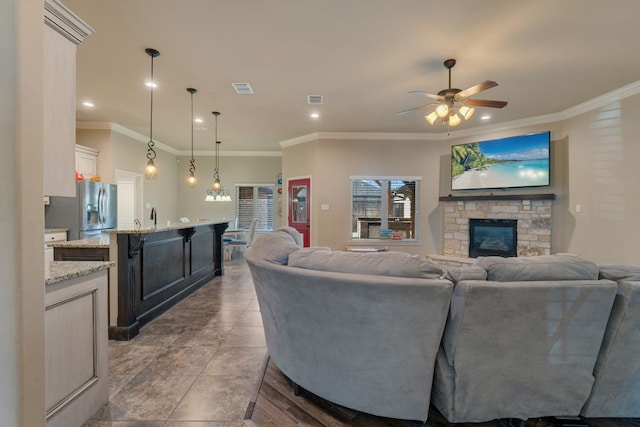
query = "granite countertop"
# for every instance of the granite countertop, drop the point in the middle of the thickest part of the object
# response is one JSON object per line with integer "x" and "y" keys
{"x": 163, "y": 227}
{"x": 91, "y": 242}
{"x": 59, "y": 271}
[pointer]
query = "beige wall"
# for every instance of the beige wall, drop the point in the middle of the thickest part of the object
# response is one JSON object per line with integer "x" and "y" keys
{"x": 21, "y": 214}
{"x": 118, "y": 151}
{"x": 233, "y": 171}
{"x": 603, "y": 178}
{"x": 594, "y": 164}
{"x": 169, "y": 194}
{"x": 331, "y": 163}
{"x": 131, "y": 155}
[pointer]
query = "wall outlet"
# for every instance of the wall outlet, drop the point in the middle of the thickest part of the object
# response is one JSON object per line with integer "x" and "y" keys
{"x": 324, "y": 207}
{"x": 578, "y": 207}
{"x": 148, "y": 205}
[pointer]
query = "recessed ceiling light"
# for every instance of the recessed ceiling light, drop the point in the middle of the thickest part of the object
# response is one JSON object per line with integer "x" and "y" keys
{"x": 88, "y": 104}
{"x": 314, "y": 115}
{"x": 198, "y": 120}
{"x": 150, "y": 84}
{"x": 485, "y": 117}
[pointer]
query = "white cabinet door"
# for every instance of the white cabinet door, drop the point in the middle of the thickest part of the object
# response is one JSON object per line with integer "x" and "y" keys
{"x": 59, "y": 114}
{"x": 63, "y": 31}
{"x": 76, "y": 358}
{"x": 86, "y": 161}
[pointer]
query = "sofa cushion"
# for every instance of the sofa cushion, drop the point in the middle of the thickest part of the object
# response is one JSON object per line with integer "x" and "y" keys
{"x": 396, "y": 264}
{"x": 274, "y": 247}
{"x": 619, "y": 273}
{"x": 459, "y": 274}
{"x": 539, "y": 268}
{"x": 297, "y": 237}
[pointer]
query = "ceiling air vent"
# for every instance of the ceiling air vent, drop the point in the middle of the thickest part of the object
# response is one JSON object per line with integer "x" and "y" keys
{"x": 314, "y": 99}
{"x": 243, "y": 88}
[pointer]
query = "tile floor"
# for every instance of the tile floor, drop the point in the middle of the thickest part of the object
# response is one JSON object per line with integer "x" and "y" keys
{"x": 196, "y": 365}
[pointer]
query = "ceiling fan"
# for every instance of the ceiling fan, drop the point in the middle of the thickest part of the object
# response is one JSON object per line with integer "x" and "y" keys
{"x": 453, "y": 103}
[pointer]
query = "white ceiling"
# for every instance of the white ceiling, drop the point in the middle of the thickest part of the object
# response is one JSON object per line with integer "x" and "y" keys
{"x": 363, "y": 56}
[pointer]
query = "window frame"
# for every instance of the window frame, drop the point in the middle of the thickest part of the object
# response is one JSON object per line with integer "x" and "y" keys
{"x": 383, "y": 202}
{"x": 260, "y": 225}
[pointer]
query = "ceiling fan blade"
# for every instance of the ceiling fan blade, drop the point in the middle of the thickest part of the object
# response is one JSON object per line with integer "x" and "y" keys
{"x": 416, "y": 108}
{"x": 484, "y": 103}
{"x": 428, "y": 95}
{"x": 487, "y": 84}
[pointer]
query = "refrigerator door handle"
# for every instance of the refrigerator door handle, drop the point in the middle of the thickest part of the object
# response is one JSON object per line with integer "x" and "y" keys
{"x": 100, "y": 208}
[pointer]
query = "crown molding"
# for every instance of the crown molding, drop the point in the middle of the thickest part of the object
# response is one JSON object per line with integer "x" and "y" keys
{"x": 234, "y": 153}
{"x": 601, "y": 101}
{"x": 66, "y": 23}
{"x": 585, "y": 107}
{"x": 115, "y": 127}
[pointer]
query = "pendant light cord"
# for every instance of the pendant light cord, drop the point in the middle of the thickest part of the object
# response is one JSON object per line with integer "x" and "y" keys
{"x": 192, "y": 168}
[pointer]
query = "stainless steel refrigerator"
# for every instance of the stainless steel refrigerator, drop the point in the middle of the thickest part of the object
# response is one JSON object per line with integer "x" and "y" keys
{"x": 90, "y": 213}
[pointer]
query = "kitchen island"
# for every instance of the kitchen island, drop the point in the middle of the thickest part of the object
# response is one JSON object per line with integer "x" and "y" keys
{"x": 157, "y": 268}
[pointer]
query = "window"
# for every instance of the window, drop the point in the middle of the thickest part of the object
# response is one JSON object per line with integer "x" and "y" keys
{"x": 384, "y": 208}
{"x": 255, "y": 201}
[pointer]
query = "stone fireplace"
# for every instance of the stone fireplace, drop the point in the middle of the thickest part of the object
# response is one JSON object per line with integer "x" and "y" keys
{"x": 533, "y": 216}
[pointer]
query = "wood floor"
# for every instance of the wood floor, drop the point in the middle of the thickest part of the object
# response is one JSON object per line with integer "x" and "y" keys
{"x": 276, "y": 406}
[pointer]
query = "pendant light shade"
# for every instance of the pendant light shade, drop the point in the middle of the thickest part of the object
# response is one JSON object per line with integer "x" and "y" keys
{"x": 151, "y": 172}
{"x": 191, "y": 178}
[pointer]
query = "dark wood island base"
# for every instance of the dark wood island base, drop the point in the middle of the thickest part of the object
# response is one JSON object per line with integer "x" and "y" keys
{"x": 158, "y": 268}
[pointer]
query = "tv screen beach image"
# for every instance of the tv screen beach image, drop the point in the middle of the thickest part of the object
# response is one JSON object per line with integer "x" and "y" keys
{"x": 521, "y": 161}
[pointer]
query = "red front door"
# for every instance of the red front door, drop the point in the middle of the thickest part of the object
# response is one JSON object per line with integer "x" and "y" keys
{"x": 300, "y": 207}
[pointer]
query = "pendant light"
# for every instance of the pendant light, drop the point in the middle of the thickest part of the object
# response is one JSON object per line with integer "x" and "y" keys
{"x": 191, "y": 179}
{"x": 217, "y": 185}
{"x": 151, "y": 172}
{"x": 217, "y": 193}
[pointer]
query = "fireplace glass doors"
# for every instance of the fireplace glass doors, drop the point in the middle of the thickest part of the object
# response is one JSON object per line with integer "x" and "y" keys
{"x": 493, "y": 237}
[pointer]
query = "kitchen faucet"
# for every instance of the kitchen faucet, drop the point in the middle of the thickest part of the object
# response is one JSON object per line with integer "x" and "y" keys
{"x": 154, "y": 217}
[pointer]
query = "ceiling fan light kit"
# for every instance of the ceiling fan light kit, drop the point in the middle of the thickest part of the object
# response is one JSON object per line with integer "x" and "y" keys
{"x": 453, "y": 105}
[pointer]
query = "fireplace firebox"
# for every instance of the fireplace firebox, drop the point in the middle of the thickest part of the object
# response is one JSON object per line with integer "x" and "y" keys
{"x": 493, "y": 237}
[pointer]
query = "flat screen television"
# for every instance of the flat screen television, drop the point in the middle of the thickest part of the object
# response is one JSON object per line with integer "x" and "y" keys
{"x": 517, "y": 161}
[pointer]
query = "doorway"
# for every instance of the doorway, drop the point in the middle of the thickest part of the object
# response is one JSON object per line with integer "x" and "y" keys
{"x": 300, "y": 208}
{"x": 129, "y": 198}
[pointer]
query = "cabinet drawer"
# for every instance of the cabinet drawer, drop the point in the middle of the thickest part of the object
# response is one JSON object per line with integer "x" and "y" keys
{"x": 58, "y": 236}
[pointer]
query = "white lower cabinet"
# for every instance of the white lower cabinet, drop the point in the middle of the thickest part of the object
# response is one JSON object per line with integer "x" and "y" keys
{"x": 76, "y": 360}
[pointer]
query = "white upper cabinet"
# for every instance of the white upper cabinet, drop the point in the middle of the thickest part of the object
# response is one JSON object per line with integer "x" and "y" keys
{"x": 86, "y": 161}
{"x": 63, "y": 32}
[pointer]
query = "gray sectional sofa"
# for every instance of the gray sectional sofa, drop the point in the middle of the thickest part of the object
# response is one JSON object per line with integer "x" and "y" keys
{"x": 616, "y": 392}
{"x": 523, "y": 342}
{"x": 391, "y": 333}
{"x": 365, "y": 340}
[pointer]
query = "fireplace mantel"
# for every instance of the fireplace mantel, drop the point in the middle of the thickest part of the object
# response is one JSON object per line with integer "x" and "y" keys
{"x": 540, "y": 196}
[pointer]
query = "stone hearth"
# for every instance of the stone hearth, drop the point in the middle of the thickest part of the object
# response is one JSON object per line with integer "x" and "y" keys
{"x": 533, "y": 216}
